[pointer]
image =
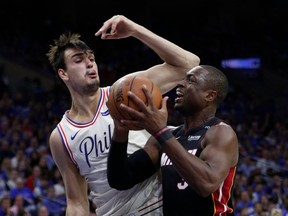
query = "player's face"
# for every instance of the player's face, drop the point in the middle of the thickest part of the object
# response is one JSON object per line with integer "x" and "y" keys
{"x": 191, "y": 92}
{"x": 81, "y": 69}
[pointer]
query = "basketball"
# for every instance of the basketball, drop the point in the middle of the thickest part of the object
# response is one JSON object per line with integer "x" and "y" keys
{"x": 119, "y": 90}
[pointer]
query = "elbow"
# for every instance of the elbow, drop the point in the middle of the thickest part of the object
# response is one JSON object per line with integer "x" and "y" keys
{"x": 196, "y": 61}
{"x": 193, "y": 61}
{"x": 118, "y": 184}
{"x": 117, "y": 187}
{"x": 205, "y": 190}
{"x": 203, "y": 193}
{"x": 113, "y": 182}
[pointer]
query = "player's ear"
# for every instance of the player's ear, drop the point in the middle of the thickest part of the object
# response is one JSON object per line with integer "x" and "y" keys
{"x": 62, "y": 74}
{"x": 211, "y": 95}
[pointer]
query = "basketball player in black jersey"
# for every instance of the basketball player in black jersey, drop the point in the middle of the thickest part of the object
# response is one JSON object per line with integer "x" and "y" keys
{"x": 197, "y": 159}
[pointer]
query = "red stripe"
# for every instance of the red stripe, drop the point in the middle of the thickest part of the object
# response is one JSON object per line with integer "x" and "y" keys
{"x": 221, "y": 202}
{"x": 150, "y": 205}
{"x": 64, "y": 138}
{"x": 101, "y": 102}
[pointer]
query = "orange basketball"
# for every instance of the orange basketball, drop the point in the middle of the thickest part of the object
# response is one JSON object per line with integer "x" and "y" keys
{"x": 119, "y": 90}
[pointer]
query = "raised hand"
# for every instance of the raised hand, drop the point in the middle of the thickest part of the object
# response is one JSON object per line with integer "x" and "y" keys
{"x": 117, "y": 27}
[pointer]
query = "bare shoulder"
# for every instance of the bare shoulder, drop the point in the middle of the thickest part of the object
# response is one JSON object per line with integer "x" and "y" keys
{"x": 221, "y": 131}
{"x": 223, "y": 137}
{"x": 56, "y": 146}
{"x": 59, "y": 152}
{"x": 54, "y": 139}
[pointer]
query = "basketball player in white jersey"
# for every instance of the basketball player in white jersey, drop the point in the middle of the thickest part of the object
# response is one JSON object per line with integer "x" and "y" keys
{"x": 80, "y": 143}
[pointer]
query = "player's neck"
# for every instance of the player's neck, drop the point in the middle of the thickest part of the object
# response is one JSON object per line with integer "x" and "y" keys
{"x": 83, "y": 108}
{"x": 197, "y": 120}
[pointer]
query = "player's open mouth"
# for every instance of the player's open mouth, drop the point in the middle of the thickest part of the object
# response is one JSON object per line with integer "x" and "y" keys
{"x": 92, "y": 74}
{"x": 179, "y": 95}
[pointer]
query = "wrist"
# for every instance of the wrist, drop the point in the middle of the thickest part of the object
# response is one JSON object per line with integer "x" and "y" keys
{"x": 163, "y": 135}
{"x": 120, "y": 135}
{"x": 119, "y": 143}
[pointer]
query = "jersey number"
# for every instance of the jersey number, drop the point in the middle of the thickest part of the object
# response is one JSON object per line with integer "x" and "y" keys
{"x": 182, "y": 185}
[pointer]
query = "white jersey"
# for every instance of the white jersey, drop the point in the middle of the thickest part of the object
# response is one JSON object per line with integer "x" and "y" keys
{"x": 88, "y": 145}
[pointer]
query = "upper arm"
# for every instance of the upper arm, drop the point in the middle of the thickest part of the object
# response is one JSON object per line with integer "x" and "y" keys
{"x": 75, "y": 184}
{"x": 221, "y": 150}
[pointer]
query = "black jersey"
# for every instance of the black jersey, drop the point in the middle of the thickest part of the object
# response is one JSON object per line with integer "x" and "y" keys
{"x": 179, "y": 198}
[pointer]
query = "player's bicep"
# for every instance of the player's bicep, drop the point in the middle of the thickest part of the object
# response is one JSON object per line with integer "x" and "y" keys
{"x": 221, "y": 147}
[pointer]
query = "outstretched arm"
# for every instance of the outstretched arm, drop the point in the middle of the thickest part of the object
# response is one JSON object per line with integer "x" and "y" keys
{"x": 177, "y": 61}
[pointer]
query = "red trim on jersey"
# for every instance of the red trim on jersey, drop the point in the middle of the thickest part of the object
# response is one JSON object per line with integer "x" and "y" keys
{"x": 223, "y": 194}
{"x": 150, "y": 208}
{"x": 65, "y": 142}
{"x": 107, "y": 91}
{"x": 103, "y": 92}
{"x": 160, "y": 200}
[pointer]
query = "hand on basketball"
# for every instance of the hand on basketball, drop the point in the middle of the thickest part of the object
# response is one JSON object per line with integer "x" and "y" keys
{"x": 148, "y": 117}
{"x": 117, "y": 123}
{"x": 119, "y": 95}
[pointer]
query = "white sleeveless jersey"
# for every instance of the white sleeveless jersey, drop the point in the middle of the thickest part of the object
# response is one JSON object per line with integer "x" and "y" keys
{"x": 88, "y": 144}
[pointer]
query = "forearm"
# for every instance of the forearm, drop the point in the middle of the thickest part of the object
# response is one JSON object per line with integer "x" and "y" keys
{"x": 124, "y": 172}
{"x": 177, "y": 61}
{"x": 76, "y": 188}
{"x": 196, "y": 172}
{"x": 167, "y": 51}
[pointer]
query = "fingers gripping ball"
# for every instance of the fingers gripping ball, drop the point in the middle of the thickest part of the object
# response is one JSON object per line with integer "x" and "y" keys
{"x": 119, "y": 95}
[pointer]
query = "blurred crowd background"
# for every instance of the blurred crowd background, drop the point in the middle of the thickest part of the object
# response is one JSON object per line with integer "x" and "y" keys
{"x": 226, "y": 34}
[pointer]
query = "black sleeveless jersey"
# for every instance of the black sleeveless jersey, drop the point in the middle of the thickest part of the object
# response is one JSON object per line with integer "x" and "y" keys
{"x": 178, "y": 197}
